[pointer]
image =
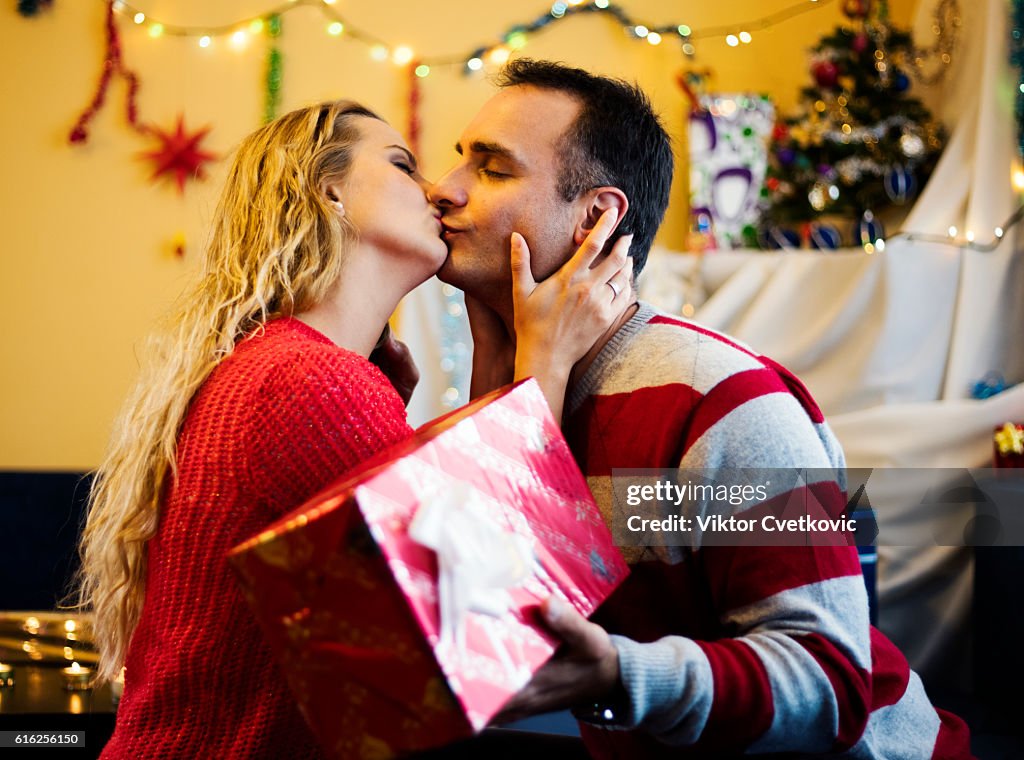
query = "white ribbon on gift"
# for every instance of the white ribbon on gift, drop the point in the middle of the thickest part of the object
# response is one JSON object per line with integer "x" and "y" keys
{"x": 478, "y": 561}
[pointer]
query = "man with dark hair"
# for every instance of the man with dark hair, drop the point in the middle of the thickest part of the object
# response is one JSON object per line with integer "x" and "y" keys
{"x": 722, "y": 650}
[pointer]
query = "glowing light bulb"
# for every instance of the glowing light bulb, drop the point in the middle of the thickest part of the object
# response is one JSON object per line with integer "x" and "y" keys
{"x": 256, "y": 26}
{"x": 684, "y": 30}
{"x": 998, "y": 233}
{"x": 69, "y": 626}
{"x": 238, "y": 39}
{"x": 745, "y": 37}
{"x": 879, "y": 245}
{"x": 969, "y": 235}
{"x": 641, "y": 30}
{"x": 474, "y": 64}
{"x": 499, "y": 55}
{"x": 379, "y": 53}
{"x": 204, "y": 41}
{"x": 516, "y": 40}
{"x": 335, "y": 28}
{"x": 654, "y": 38}
{"x": 139, "y": 18}
{"x": 402, "y": 55}
{"x": 952, "y": 231}
{"x": 156, "y": 30}
{"x": 732, "y": 40}
{"x": 422, "y": 70}
{"x": 1018, "y": 179}
{"x": 601, "y": 3}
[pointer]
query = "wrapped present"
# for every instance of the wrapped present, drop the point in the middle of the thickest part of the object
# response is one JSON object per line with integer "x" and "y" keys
{"x": 402, "y": 602}
{"x": 1009, "y": 445}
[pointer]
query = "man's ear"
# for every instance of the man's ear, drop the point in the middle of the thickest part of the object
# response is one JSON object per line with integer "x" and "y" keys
{"x": 596, "y": 202}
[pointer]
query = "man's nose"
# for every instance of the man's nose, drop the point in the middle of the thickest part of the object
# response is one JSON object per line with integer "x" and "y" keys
{"x": 447, "y": 192}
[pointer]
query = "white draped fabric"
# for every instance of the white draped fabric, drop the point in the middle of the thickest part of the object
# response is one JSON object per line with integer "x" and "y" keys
{"x": 889, "y": 343}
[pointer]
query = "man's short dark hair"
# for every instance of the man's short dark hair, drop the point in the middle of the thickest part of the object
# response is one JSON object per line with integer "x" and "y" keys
{"x": 616, "y": 140}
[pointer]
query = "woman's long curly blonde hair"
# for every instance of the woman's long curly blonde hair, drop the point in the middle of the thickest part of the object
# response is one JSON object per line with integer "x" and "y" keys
{"x": 276, "y": 247}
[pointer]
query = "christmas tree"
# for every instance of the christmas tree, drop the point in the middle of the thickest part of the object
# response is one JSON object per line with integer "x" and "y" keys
{"x": 860, "y": 141}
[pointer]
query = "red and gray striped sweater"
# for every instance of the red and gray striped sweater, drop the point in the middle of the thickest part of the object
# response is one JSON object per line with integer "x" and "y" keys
{"x": 737, "y": 649}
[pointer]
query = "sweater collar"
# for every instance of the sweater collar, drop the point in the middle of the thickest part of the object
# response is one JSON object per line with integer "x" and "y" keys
{"x": 614, "y": 347}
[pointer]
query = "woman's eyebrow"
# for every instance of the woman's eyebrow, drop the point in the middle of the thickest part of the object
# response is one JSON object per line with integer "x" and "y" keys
{"x": 408, "y": 154}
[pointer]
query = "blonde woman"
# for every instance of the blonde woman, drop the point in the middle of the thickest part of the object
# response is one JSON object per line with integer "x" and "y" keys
{"x": 260, "y": 393}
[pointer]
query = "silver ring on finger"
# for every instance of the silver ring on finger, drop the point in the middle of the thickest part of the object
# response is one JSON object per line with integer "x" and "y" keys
{"x": 615, "y": 289}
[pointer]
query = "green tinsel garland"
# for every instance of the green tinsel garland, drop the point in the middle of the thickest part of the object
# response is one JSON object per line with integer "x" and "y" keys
{"x": 272, "y": 100}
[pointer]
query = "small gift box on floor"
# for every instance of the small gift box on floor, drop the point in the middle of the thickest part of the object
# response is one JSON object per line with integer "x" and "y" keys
{"x": 1009, "y": 445}
{"x": 402, "y": 602}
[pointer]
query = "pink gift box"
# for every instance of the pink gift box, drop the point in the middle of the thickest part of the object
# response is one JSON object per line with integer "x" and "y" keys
{"x": 401, "y": 603}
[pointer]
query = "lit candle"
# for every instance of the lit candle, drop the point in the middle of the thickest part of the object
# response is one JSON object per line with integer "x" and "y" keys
{"x": 6, "y": 676}
{"x": 77, "y": 678}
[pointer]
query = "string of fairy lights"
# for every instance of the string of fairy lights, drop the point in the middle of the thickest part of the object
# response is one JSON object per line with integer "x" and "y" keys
{"x": 495, "y": 52}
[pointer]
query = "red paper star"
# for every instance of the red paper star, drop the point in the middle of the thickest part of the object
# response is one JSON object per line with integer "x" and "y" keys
{"x": 179, "y": 153}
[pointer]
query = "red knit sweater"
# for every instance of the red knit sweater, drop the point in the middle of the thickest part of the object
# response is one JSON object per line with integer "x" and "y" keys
{"x": 283, "y": 416}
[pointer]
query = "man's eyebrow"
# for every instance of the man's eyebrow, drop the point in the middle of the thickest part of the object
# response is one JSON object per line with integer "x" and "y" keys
{"x": 491, "y": 148}
{"x": 408, "y": 154}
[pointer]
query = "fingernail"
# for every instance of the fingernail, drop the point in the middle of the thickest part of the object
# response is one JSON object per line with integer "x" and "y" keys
{"x": 554, "y": 609}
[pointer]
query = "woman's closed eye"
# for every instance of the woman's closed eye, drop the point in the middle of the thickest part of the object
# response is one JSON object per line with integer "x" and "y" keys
{"x": 405, "y": 167}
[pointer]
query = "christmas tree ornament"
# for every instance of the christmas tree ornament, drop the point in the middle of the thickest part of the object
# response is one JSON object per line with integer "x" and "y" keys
{"x": 774, "y": 238}
{"x": 818, "y": 197}
{"x": 825, "y": 237}
{"x": 901, "y": 82}
{"x": 860, "y": 43}
{"x": 826, "y": 74}
{"x": 900, "y": 184}
{"x": 856, "y": 9}
{"x": 911, "y": 145}
{"x": 868, "y": 229}
{"x": 179, "y": 154}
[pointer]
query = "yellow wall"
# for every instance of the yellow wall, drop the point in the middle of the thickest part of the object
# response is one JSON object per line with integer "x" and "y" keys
{"x": 86, "y": 257}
